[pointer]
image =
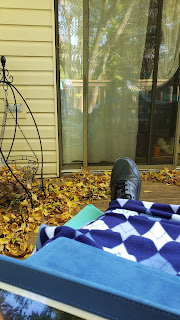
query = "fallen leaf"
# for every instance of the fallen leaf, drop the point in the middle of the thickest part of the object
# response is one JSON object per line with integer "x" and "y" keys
{"x": 38, "y": 210}
{"x": 28, "y": 186}
{"x": 36, "y": 230}
{"x": 38, "y": 216}
{"x": 14, "y": 226}
{"x": 1, "y": 248}
{"x": 4, "y": 241}
{"x": 34, "y": 197}
{"x": 6, "y": 219}
{"x": 24, "y": 204}
{"x": 69, "y": 183}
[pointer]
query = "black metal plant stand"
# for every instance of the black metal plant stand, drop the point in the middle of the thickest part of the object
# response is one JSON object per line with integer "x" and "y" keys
{"x": 30, "y": 163}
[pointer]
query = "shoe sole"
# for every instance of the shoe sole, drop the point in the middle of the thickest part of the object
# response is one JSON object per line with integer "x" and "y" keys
{"x": 117, "y": 170}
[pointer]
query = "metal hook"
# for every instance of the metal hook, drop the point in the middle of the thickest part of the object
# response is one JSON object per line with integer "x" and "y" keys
{"x": 3, "y": 62}
{"x": 27, "y": 212}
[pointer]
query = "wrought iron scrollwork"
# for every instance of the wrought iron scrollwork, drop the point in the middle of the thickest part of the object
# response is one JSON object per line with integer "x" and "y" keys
{"x": 6, "y": 78}
{"x": 32, "y": 164}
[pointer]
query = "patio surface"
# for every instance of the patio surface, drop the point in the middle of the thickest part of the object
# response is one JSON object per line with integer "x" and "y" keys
{"x": 150, "y": 191}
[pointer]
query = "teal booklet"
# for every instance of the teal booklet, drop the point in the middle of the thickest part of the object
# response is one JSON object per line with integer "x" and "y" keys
{"x": 84, "y": 216}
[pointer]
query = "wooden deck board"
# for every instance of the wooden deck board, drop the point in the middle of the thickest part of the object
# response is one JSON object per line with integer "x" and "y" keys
{"x": 150, "y": 191}
{"x": 160, "y": 192}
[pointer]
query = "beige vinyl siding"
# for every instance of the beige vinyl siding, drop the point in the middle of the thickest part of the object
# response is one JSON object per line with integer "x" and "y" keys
{"x": 24, "y": 4}
{"x": 27, "y": 41}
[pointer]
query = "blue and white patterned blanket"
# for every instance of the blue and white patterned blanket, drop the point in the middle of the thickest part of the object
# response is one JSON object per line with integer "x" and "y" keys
{"x": 144, "y": 232}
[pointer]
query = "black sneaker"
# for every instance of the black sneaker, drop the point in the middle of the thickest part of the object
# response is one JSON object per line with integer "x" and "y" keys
{"x": 125, "y": 180}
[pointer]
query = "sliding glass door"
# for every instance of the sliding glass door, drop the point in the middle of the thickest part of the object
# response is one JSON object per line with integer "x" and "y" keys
{"x": 70, "y": 16}
{"x": 119, "y": 69}
{"x": 158, "y": 107}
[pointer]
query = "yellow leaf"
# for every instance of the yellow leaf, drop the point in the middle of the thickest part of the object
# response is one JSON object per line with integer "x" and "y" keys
{"x": 30, "y": 227}
{"x": 12, "y": 250}
{"x": 13, "y": 240}
{"x": 103, "y": 185}
{"x": 45, "y": 212}
{"x": 31, "y": 247}
{"x": 1, "y": 248}
{"x": 38, "y": 216}
{"x": 26, "y": 237}
{"x": 24, "y": 204}
{"x": 34, "y": 197}
{"x": 23, "y": 246}
{"x": 61, "y": 196}
{"x": 76, "y": 198}
{"x": 13, "y": 216}
{"x": 23, "y": 226}
{"x": 36, "y": 230}
{"x": 4, "y": 240}
{"x": 65, "y": 216}
{"x": 38, "y": 210}
{"x": 69, "y": 183}
{"x": 14, "y": 225}
{"x": 28, "y": 186}
{"x": 55, "y": 220}
{"x": 69, "y": 203}
{"x": 80, "y": 184}
{"x": 6, "y": 219}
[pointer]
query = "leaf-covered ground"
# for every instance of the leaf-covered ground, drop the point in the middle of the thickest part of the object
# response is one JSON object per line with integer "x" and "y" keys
{"x": 61, "y": 200}
{"x": 165, "y": 176}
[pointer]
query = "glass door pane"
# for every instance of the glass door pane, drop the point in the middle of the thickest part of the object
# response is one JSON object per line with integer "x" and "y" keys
{"x": 145, "y": 86}
{"x": 167, "y": 92}
{"x": 165, "y": 118}
{"x": 117, "y": 37}
{"x": 70, "y": 14}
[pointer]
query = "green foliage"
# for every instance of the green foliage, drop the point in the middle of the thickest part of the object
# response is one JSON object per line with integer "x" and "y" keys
{"x": 114, "y": 33}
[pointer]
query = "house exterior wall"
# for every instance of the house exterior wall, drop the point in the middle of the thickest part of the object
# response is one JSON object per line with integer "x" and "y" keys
{"x": 27, "y": 40}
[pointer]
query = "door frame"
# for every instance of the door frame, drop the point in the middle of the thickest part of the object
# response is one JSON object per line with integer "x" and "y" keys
{"x": 75, "y": 167}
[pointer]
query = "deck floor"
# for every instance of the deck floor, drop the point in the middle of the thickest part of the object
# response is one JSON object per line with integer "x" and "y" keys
{"x": 153, "y": 192}
{"x": 150, "y": 191}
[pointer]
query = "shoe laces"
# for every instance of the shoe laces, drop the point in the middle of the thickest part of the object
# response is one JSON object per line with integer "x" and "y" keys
{"x": 121, "y": 189}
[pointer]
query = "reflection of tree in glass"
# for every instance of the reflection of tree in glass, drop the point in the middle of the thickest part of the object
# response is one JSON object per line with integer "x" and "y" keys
{"x": 15, "y": 307}
{"x": 71, "y": 39}
{"x": 149, "y": 50}
{"x": 111, "y": 22}
{"x": 115, "y": 30}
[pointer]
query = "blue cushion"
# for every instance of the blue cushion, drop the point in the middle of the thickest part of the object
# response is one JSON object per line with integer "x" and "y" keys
{"x": 96, "y": 281}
